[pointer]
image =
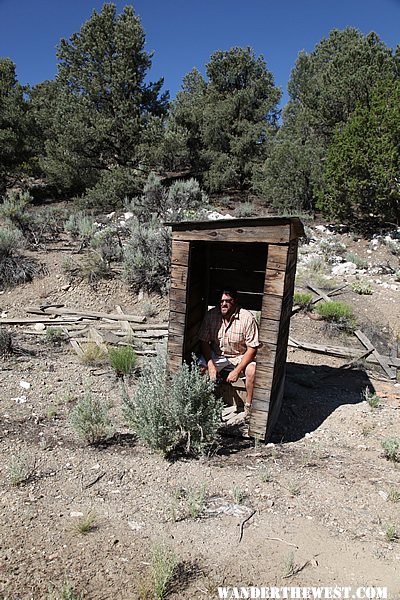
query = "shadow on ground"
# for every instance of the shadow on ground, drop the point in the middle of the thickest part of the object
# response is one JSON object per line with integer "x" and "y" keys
{"x": 312, "y": 393}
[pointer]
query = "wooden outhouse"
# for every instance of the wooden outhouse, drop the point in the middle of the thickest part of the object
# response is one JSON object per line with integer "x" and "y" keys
{"x": 258, "y": 258}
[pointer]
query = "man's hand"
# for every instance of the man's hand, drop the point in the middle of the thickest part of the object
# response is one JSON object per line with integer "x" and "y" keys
{"x": 233, "y": 376}
{"x": 212, "y": 371}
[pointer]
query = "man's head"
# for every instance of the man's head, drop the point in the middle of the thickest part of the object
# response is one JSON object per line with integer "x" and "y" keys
{"x": 228, "y": 302}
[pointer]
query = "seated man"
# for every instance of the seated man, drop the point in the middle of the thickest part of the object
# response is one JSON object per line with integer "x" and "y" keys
{"x": 229, "y": 340}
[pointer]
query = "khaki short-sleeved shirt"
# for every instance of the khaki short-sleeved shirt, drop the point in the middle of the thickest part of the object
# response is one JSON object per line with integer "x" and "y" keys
{"x": 230, "y": 340}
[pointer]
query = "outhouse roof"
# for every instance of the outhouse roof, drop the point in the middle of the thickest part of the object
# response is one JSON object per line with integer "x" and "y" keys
{"x": 268, "y": 229}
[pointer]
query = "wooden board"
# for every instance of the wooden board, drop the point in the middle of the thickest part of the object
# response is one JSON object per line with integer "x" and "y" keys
{"x": 268, "y": 234}
{"x": 277, "y": 257}
{"x": 238, "y": 256}
{"x": 179, "y": 275}
{"x": 180, "y": 253}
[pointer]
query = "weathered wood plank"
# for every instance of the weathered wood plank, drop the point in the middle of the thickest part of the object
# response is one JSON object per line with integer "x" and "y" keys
{"x": 175, "y": 347}
{"x": 243, "y": 281}
{"x": 269, "y": 234}
{"x": 177, "y": 294}
{"x": 271, "y": 307}
{"x": 176, "y": 317}
{"x": 391, "y": 373}
{"x": 86, "y": 313}
{"x": 274, "y": 282}
{"x": 236, "y": 256}
{"x": 277, "y": 257}
{"x": 179, "y": 276}
{"x": 180, "y": 253}
{"x": 177, "y": 307}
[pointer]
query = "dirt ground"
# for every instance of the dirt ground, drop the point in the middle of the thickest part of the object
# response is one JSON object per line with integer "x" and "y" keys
{"x": 321, "y": 494}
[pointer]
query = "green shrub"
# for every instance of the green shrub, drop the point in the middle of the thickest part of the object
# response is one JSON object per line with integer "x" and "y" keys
{"x": 14, "y": 267}
{"x": 54, "y": 335}
{"x": 391, "y": 447}
{"x": 90, "y": 419}
{"x": 122, "y": 360}
{"x": 177, "y": 410}
{"x": 244, "y": 210}
{"x": 360, "y": 263}
{"x": 302, "y": 299}
{"x": 147, "y": 256}
{"x": 93, "y": 268}
{"x": 164, "y": 564}
{"x": 183, "y": 200}
{"x": 339, "y": 313}
{"x": 81, "y": 227}
{"x": 371, "y": 398}
{"x": 20, "y": 469}
{"x": 14, "y": 209}
{"x": 107, "y": 244}
{"x": 331, "y": 248}
{"x": 362, "y": 287}
{"x": 393, "y": 246}
{"x": 113, "y": 188}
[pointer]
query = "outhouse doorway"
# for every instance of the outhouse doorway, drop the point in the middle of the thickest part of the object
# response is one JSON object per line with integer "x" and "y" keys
{"x": 258, "y": 258}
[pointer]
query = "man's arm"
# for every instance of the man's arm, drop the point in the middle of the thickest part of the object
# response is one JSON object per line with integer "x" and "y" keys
{"x": 206, "y": 352}
{"x": 247, "y": 358}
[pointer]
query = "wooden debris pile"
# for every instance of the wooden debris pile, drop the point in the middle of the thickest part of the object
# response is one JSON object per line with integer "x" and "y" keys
{"x": 85, "y": 326}
{"x": 370, "y": 354}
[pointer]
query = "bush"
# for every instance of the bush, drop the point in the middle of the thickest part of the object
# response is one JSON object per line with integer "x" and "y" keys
{"x": 15, "y": 268}
{"x": 244, "y": 210}
{"x": 81, "y": 226}
{"x": 302, "y": 299}
{"x": 362, "y": 287}
{"x": 177, "y": 410}
{"x": 339, "y": 313}
{"x": 357, "y": 260}
{"x": 391, "y": 447}
{"x": 14, "y": 209}
{"x": 122, "y": 360}
{"x": 147, "y": 256}
{"x": 90, "y": 419}
{"x": 107, "y": 244}
{"x": 112, "y": 189}
{"x": 182, "y": 201}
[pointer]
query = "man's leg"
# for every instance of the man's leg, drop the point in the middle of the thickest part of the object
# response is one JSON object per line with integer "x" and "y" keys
{"x": 250, "y": 373}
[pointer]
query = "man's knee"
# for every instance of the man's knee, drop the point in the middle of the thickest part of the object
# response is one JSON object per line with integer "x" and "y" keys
{"x": 250, "y": 371}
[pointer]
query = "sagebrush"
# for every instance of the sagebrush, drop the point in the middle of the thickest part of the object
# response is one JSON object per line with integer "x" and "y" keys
{"x": 176, "y": 410}
{"x": 90, "y": 418}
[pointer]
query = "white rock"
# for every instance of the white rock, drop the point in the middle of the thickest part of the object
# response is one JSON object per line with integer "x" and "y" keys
{"x": 135, "y": 526}
{"x": 320, "y": 228}
{"x": 128, "y": 215}
{"x": 20, "y": 399}
{"x": 25, "y": 384}
{"x": 39, "y": 327}
{"x": 75, "y": 513}
{"x": 110, "y": 215}
{"x": 347, "y": 268}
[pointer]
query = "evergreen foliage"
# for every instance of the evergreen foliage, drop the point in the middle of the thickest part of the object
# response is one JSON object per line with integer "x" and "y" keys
{"x": 103, "y": 102}
{"x": 228, "y": 119}
{"x": 363, "y": 162}
{"x": 15, "y": 142}
{"x": 325, "y": 88}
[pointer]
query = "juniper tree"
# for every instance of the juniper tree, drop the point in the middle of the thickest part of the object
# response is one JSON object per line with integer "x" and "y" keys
{"x": 104, "y": 103}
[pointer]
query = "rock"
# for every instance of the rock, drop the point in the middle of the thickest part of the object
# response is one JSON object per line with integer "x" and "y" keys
{"x": 128, "y": 215}
{"x": 20, "y": 399}
{"x": 347, "y": 268}
{"x": 39, "y": 327}
{"x": 24, "y": 384}
{"x": 76, "y": 513}
{"x": 135, "y": 526}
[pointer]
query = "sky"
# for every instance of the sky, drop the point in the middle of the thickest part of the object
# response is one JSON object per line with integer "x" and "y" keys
{"x": 184, "y": 33}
